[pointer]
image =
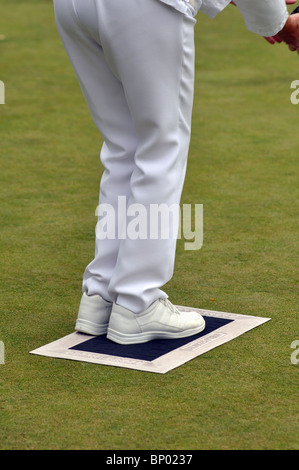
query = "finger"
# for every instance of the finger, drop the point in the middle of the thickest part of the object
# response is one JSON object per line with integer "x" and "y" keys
{"x": 270, "y": 40}
{"x": 273, "y": 39}
{"x": 277, "y": 39}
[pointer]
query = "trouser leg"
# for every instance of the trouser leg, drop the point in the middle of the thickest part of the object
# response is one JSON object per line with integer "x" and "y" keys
{"x": 105, "y": 98}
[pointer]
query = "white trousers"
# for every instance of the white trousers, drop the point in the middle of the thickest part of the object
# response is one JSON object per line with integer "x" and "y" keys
{"x": 134, "y": 60}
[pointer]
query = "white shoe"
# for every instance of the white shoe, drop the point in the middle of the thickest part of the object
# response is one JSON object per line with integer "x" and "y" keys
{"x": 161, "y": 320}
{"x": 93, "y": 316}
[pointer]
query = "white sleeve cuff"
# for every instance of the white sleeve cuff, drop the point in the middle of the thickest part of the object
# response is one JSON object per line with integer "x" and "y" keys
{"x": 213, "y": 7}
{"x": 263, "y": 17}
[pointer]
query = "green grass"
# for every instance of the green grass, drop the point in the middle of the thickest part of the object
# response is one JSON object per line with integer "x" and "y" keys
{"x": 243, "y": 168}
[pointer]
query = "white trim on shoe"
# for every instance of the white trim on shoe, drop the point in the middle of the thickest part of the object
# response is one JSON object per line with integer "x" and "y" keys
{"x": 93, "y": 316}
{"x": 161, "y": 320}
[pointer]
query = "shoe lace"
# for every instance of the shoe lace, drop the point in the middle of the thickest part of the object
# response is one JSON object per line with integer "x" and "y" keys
{"x": 170, "y": 306}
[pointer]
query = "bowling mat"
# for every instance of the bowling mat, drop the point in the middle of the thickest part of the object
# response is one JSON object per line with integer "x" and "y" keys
{"x": 158, "y": 356}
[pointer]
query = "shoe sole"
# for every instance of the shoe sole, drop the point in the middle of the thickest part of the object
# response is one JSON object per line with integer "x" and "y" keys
{"x": 145, "y": 337}
{"x": 90, "y": 328}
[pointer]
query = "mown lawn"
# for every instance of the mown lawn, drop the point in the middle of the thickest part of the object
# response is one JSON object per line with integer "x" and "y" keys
{"x": 243, "y": 168}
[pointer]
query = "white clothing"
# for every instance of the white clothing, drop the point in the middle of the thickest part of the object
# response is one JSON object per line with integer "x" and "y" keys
{"x": 184, "y": 6}
{"x": 139, "y": 89}
{"x": 263, "y": 17}
{"x": 134, "y": 60}
{"x": 209, "y": 7}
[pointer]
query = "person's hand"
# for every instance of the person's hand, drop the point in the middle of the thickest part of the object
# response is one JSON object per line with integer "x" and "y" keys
{"x": 274, "y": 39}
{"x": 290, "y": 32}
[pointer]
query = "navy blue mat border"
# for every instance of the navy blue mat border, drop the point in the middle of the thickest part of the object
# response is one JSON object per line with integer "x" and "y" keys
{"x": 146, "y": 351}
